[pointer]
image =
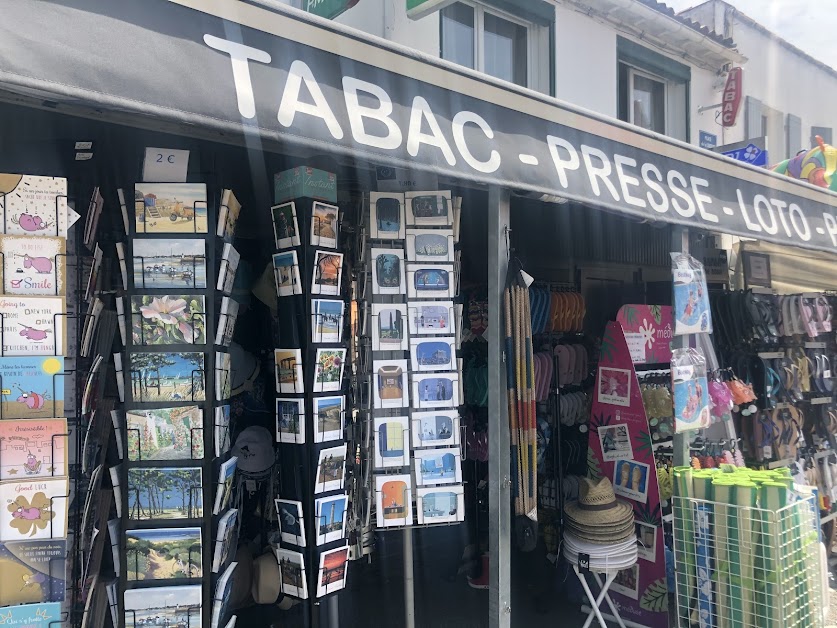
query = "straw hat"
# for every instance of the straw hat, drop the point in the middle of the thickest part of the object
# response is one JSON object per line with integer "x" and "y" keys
{"x": 597, "y": 516}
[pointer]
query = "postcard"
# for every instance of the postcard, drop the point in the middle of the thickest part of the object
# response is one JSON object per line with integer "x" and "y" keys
{"x": 388, "y": 271}
{"x": 429, "y": 245}
{"x": 170, "y": 208}
{"x": 32, "y": 572}
{"x": 332, "y": 574}
{"x": 290, "y": 420}
{"x": 42, "y": 615}
{"x": 328, "y": 418}
{"x": 222, "y": 597}
{"x": 33, "y": 266}
{"x": 126, "y": 218}
{"x": 428, "y": 208}
{"x": 228, "y": 214}
{"x": 291, "y": 522}
{"x": 433, "y": 354}
{"x": 169, "y": 263}
{"x": 627, "y": 582}
{"x": 226, "y": 322}
{"x": 33, "y": 448}
{"x": 285, "y": 225}
{"x": 168, "y": 319}
{"x": 165, "y": 433}
{"x": 160, "y": 606}
{"x": 440, "y": 505}
{"x": 288, "y": 367}
{"x": 438, "y": 466}
{"x": 326, "y": 320}
{"x": 123, "y": 266}
{"x": 167, "y": 377}
{"x": 33, "y": 388}
{"x": 389, "y": 387}
{"x": 120, "y": 375}
{"x": 224, "y": 490}
{"x": 35, "y": 509}
{"x": 436, "y": 390}
{"x": 286, "y": 274}
{"x": 394, "y": 500}
{"x": 327, "y": 273}
{"x": 436, "y": 281}
{"x": 616, "y": 442}
{"x": 431, "y": 317}
{"x": 223, "y": 376}
{"x": 630, "y": 479}
{"x": 115, "y": 536}
{"x": 230, "y": 258}
{"x": 331, "y": 468}
{"x": 34, "y": 325}
{"x": 328, "y": 370}
{"x": 32, "y": 205}
{"x": 93, "y": 278}
{"x": 615, "y": 386}
{"x": 163, "y": 553}
{"x": 325, "y": 225}
{"x": 438, "y": 428}
{"x": 226, "y": 540}
{"x": 115, "y": 472}
{"x": 331, "y": 518}
{"x": 392, "y": 442}
{"x": 386, "y": 216}
{"x": 292, "y": 567}
{"x": 389, "y": 327}
{"x": 646, "y": 541}
{"x": 165, "y": 493}
{"x": 222, "y": 430}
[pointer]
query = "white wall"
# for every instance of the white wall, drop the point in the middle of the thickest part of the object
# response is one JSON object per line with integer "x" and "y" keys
{"x": 388, "y": 19}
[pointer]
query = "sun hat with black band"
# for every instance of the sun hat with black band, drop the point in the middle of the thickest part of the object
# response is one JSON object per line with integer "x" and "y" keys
{"x": 598, "y": 513}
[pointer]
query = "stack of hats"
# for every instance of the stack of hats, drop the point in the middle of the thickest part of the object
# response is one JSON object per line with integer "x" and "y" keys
{"x": 601, "y": 527}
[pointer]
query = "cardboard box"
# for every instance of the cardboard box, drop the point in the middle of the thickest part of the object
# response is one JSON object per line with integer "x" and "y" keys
{"x": 304, "y": 181}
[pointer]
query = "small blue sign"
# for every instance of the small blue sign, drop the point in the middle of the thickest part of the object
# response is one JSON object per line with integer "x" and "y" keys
{"x": 750, "y": 154}
{"x": 708, "y": 140}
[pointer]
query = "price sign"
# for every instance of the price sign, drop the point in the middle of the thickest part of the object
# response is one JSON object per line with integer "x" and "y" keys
{"x": 165, "y": 165}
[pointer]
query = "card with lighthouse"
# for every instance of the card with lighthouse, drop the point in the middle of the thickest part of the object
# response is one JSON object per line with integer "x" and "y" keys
{"x": 31, "y": 387}
{"x": 34, "y": 448}
{"x": 33, "y": 265}
{"x": 32, "y": 510}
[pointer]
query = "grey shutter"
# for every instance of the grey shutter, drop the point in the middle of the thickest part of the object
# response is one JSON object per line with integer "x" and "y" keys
{"x": 794, "y": 129}
{"x": 752, "y": 118}
{"x": 823, "y": 131}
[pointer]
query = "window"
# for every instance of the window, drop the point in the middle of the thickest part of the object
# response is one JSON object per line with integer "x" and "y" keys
{"x": 648, "y": 101}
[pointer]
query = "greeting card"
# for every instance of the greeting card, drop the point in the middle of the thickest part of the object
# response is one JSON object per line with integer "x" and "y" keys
{"x": 32, "y": 572}
{"x": 33, "y": 325}
{"x": 33, "y": 205}
{"x": 32, "y": 388}
{"x": 33, "y": 448}
{"x": 33, "y": 509}
{"x": 33, "y": 265}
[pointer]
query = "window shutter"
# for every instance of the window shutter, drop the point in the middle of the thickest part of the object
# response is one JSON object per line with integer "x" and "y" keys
{"x": 752, "y": 118}
{"x": 794, "y": 134}
{"x": 823, "y": 131}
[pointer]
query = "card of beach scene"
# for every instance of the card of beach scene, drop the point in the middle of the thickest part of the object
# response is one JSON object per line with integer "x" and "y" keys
{"x": 429, "y": 245}
{"x": 291, "y": 522}
{"x": 440, "y": 505}
{"x": 33, "y": 266}
{"x": 288, "y": 368}
{"x": 328, "y": 418}
{"x": 285, "y": 225}
{"x": 325, "y": 225}
{"x": 165, "y": 433}
{"x": 223, "y": 376}
{"x": 286, "y": 274}
{"x": 328, "y": 370}
{"x": 228, "y": 213}
{"x": 435, "y": 390}
{"x": 394, "y": 500}
{"x": 33, "y": 205}
{"x": 438, "y": 466}
{"x": 331, "y": 518}
{"x": 34, "y": 325}
{"x": 169, "y": 263}
{"x": 428, "y": 208}
{"x": 164, "y": 606}
{"x": 431, "y": 318}
{"x": 163, "y": 553}
{"x": 33, "y": 448}
{"x": 332, "y": 574}
{"x": 389, "y": 327}
{"x": 222, "y": 430}
{"x": 392, "y": 442}
{"x": 431, "y": 281}
{"x": 292, "y": 568}
{"x": 224, "y": 489}
{"x": 226, "y": 540}
{"x": 388, "y": 271}
{"x": 389, "y": 388}
{"x": 437, "y": 428}
{"x": 165, "y": 493}
{"x": 326, "y": 320}
{"x": 327, "y": 273}
{"x": 170, "y": 208}
{"x": 386, "y": 216}
{"x": 32, "y": 572}
{"x": 32, "y": 388}
{"x": 331, "y": 468}
{"x": 222, "y": 598}
{"x": 168, "y": 319}
{"x": 172, "y": 376}
{"x": 34, "y": 509}
{"x": 433, "y": 354}
{"x": 290, "y": 420}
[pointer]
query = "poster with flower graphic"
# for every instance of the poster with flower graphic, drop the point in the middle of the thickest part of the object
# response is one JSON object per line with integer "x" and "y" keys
{"x": 168, "y": 319}
{"x": 618, "y": 402}
{"x": 648, "y": 331}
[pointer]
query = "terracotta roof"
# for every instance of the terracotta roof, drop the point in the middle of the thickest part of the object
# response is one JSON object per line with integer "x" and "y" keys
{"x": 663, "y": 8}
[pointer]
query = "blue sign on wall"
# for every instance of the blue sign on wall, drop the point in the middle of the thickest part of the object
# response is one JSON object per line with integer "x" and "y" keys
{"x": 751, "y": 152}
{"x": 708, "y": 140}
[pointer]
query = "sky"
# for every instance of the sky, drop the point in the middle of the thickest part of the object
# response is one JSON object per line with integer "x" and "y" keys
{"x": 809, "y": 26}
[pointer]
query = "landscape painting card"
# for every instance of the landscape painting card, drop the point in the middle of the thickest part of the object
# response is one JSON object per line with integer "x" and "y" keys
{"x": 33, "y": 448}
{"x": 438, "y": 466}
{"x": 290, "y": 420}
{"x": 165, "y": 433}
{"x": 120, "y": 376}
{"x": 223, "y": 376}
{"x": 327, "y": 273}
{"x": 34, "y": 325}
{"x": 428, "y": 208}
{"x": 228, "y": 213}
{"x": 168, "y": 319}
{"x": 389, "y": 327}
{"x": 431, "y": 281}
{"x": 429, "y": 245}
{"x": 386, "y": 216}
{"x": 222, "y": 597}
{"x": 224, "y": 489}
{"x": 331, "y": 518}
{"x": 433, "y": 354}
{"x": 115, "y": 471}
{"x": 33, "y": 205}
{"x": 230, "y": 259}
{"x": 440, "y": 505}
{"x": 169, "y": 263}
{"x": 43, "y": 615}
{"x": 226, "y": 322}
{"x": 222, "y": 430}
{"x": 164, "y": 606}
{"x": 32, "y": 388}
{"x": 123, "y": 266}
{"x": 288, "y": 367}
{"x": 34, "y": 509}
{"x": 328, "y": 418}
{"x": 331, "y": 468}
{"x": 291, "y": 522}
{"x": 389, "y": 386}
{"x": 394, "y": 500}
{"x": 427, "y": 318}
{"x": 388, "y": 271}
{"x": 435, "y": 390}
{"x": 325, "y": 225}
{"x": 285, "y": 225}
{"x": 292, "y": 568}
{"x": 34, "y": 266}
{"x": 286, "y": 274}
{"x": 170, "y": 208}
{"x": 392, "y": 442}
{"x": 328, "y": 370}
{"x": 176, "y": 376}
{"x": 165, "y": 493}
{"x": 32, "y": 572}
{"x": 326, "y": 320}
{"x": 437, "y": 428}
{"x": 332, "y": 574}
{"x": 226, "y": 540}
{"x": 163, "y": 553}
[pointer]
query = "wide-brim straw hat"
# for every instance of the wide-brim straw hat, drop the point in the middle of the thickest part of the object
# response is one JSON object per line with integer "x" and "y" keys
{"x": 598, "y": 513}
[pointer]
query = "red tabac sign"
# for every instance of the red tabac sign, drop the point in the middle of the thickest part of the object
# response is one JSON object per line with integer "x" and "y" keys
{"x": 731, "y": 102}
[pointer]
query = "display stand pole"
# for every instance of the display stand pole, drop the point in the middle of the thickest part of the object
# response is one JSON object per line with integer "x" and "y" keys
{"x": 680, "y": 442}
{"x": 499, "y": 455}
{"x": 409, "y": 592}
